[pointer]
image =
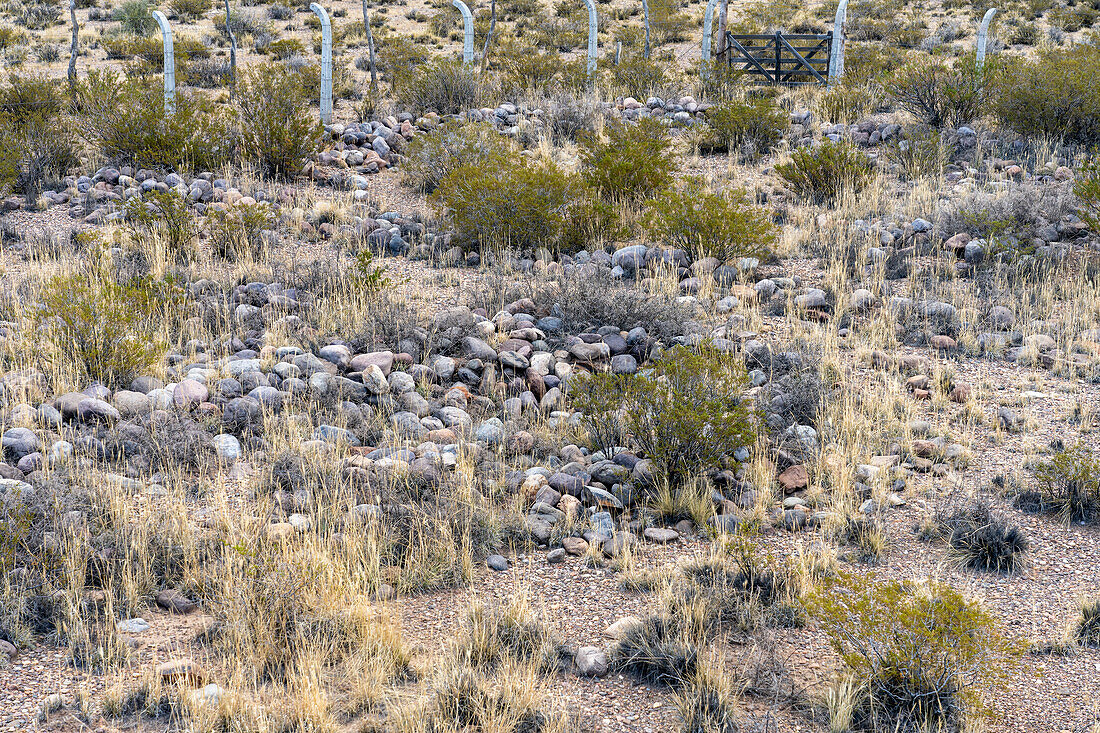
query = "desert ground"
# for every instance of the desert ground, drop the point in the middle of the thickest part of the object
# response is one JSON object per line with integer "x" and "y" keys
{"x": 522, "y": 398}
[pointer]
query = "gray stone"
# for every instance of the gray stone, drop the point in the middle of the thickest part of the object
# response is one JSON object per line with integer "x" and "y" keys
{"x": 591, "y": 661}
{"x": 19, "y": 442}
{"x": 497, "y": 562}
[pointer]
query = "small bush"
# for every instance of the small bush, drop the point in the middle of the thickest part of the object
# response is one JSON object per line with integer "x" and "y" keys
{"x": 1068, "y": 485}
{"x": 919, "y": 655}
{"x": 165, "y": 221}
{"x": 35, "y": 147}
{"x": 12, "y": 37}
{"x": 278, "y": 132}
{"x": 708, "y": 705}
{"x": 753, "y": 124}
{"x": 685, "y": 414}
{"x": 441, "y": 85}
{"x": 100, "y": 327}
{"x": 1086, "y": 188}
{"x": 464, "y": 701}
{"x": 921, "y": 153}
{"x": 941, "y": 95}
{"x": 430, "y": 157}
{"x": 1054, "y": 95}
{"x": 125, "y": 120}
{"x": 508, "y": 203}
{"x": 497, "y": 634}
{"x": 638, "y": 77}
{"x": 656, "y": 652}
{"x": 635, "y": 162}
{"x": 135, "y": 17}
{"x": 1087, "y": 628}
{"x": 285, "y": 48}
{"x": 238, "y": 232}
{"x": 190, "y": 9}
{"x": 846, "y": 103}
{"x": 983, "y": 540}
{"x": 724, "y": 225}
{"x": 824, "y": 172}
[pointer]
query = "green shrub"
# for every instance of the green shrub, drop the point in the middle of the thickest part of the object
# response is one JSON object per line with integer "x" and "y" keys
{"x": 526, "y": 68}
{"x": 163, "y": 220}
{"x": 35, "y": 146}
{"x": 125, "y": 120}
{"x": 190, "y": 9}
{"x": 942, "y": 95}
{"x": 285, "y": 48}
{"x": 635, "y": 162}
{"x": 135, "y": 17}
{"x": 722, "y": 224}
{"x": 686, "y": 413}
{"x": 638, "y": 77}
{"x": 918, "y": 655}
{"x": 102, "y": 328}
{"x": 821, "y": 173}
{"x": 239, "y": 232}
{"x": 12, "y": 37}
{"x": 1054, "y": 95}
{"x": 757, "y": 123}
{"x": 151, "y": 50}
{"x": 441, "y": 85}
{"x": 398, "y": 60}
{"x": 279, "y": 134}
{"x": 1067, "y": 485}
{"x": 509, "y": 202}
{"x": 919, "y": 153}
{"x": 845, "y": 103}
{"x": 1086, "y": 187}
{"x": 1087, "y": 628}
{"x": 430, "y": 157}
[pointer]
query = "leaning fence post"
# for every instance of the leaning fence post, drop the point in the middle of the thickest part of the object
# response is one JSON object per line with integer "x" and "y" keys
{"x": 983, "y": 36}
{"x": 836, "y": 52}
{"x": 326, "y": 63}
{"x": 169, "y": 63}
{"x": 591, "y": 36}
{"x": 708, "y": 19}
{"x": 468, "y": 31}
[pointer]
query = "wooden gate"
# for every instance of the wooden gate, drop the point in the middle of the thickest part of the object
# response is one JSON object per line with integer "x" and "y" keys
{"x": 780, "y": 58}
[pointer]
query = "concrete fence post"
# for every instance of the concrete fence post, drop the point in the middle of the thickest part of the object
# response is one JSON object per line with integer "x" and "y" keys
{"x": 326, "y": 63}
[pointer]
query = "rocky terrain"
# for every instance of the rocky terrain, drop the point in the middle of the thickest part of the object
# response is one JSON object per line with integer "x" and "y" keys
{"x": 517, "y": 401}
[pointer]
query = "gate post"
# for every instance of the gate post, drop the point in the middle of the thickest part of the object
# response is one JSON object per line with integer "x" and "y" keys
{"x": 836, "y": 50}
{"x": 468, "y": 31}
{"x": 591, "y": 36}
{"x": 326, "y": 63}
{"x": 169, "y": 63}
{"x": 983, "y": 36}
{"x": 708, "y": 21}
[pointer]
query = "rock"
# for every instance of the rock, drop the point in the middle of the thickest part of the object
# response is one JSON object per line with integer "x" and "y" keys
{"x": 8, "y": 649}
{"x": 227, "y": 447}
{"x": 91, "y": 410}
{"x": 181, "y": 670}
{"x": 132, "y": 626}
{"x": 189, "y": 394}
{"x": 942, "y": 343}
{"x": 619, "y": 628}
{"x": 374, "y": 380}
{"x": 175, "y": 602}
{"x": 725, "y": 523}
{"x": 19, "y": 442}
{"x": 620, "y": 543}
{"x": 661, "y": 535}
{"x": 794, "y": 478}
{"x": 555, "y": 556}
{"x": 498, "y": 563}
{"x": 591, "y": 661}
{"x": 575, "y": 546}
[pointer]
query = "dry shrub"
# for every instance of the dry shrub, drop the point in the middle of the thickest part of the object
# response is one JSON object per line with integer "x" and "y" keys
{"x": 918, "y": 655}
{"x": 278, "y": 132}
{"x": 430, "y": 157}
{"x": 634, "y": 163}
{"x": 940, "y": 94}
{"x": 822, "y": 173}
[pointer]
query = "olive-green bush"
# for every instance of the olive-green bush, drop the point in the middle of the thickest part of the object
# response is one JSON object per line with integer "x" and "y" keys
{"x": 432, "y": 155}
{"x": 1054, "y": 95}
{"x": 632, "y": 164}
{"x": 508, "y": 202}
{"x": 940, "y": 94}
{"x": 442, "y": 85}
{"x": 279, "y": 133}
{"x": 822, "y": 173}
{"x": 687, "y": 412}
{"x": 34, "y": 145}
{"x": 919, "y": 656}
{"x": 758, "y": 123}
{"x": 126, "y": 120}
{"x": 101, "y": 327}
{"x": 723, "y": 224}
